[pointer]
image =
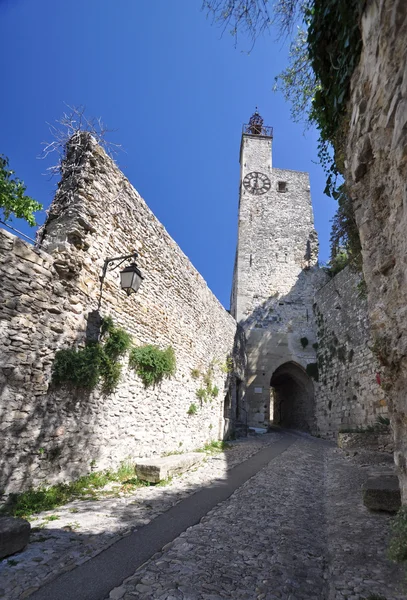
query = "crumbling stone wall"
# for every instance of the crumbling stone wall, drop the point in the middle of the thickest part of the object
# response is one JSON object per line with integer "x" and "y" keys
{"x": 46, "y": 297}
{"x": 349, "y": 393}
{"x": 376, "y": 175}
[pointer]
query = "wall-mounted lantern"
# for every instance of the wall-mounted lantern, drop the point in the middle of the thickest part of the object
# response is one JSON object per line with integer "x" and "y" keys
{"x": 130, "y": 276}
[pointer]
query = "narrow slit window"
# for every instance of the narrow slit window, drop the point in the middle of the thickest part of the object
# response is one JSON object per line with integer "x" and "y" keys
{"x": 282, "y": 186}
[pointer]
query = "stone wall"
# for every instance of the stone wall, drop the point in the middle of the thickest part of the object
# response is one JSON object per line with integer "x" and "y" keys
{"x": 376, "y": 175}
{"x": 46, "y": 297}
{"x": 349, "y": 394}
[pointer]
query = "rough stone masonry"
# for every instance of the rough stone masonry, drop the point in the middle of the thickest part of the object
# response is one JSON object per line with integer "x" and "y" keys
{"x": 376, "y": 175}
{"x": 46, "y": 297}
{"x": 349, "y": 393}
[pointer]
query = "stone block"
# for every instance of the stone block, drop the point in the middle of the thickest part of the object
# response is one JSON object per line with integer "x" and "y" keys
{"x": 27, "y": 252}
{"x": 367, "y": 440}
{"x": 382, "y": 492}
{"x": 158, "y": 469}
{"x": 14, "y": 535}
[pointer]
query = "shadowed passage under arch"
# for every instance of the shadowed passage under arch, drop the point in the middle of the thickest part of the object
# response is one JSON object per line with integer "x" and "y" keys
{"x": 292, "y": 397}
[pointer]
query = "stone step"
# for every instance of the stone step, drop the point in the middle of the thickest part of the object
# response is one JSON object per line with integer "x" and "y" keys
{"x": 382, "y": 492}
{"x": 155, "y": 470}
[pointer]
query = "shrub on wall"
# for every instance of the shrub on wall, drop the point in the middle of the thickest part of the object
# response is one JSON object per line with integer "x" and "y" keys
{"x": 97, "y": 361}
{"x": 78, "y": 367}
{"x": 152, "y": 364}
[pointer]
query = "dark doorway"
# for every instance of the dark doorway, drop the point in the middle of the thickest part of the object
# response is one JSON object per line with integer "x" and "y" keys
{"x": 292, "y": 397}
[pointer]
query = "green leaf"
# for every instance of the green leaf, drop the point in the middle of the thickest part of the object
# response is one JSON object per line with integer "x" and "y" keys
{"x": 13, "y": 200}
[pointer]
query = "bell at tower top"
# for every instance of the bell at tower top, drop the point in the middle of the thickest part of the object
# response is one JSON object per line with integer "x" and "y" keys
{"x": 256, "y": 126}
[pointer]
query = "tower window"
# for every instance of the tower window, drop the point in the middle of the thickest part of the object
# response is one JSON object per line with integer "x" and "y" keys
{"x": 282, "y": 186}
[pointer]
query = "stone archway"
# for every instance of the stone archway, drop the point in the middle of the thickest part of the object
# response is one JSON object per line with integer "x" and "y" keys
{"x": 292, "y": 397}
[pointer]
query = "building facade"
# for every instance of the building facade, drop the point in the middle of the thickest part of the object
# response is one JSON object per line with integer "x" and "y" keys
{"x": 274, "y": 282}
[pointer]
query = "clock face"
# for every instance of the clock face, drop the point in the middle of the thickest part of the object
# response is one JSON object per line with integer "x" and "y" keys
{"x": 256, "y": 183}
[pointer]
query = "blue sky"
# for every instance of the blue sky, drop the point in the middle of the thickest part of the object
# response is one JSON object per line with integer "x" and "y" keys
{"x": 175, "y": 91}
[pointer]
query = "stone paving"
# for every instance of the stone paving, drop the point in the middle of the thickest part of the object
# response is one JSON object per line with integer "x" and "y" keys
{"x": 68, "y": 536}
{"x": 297, "y": 530}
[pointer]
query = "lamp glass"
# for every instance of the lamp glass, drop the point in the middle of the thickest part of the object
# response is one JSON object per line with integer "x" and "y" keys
{"x": 130, "y": 278}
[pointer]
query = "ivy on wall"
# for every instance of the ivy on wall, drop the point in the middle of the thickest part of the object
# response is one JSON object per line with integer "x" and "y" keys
{"x": 334, "y": 45}
{"x": 98, "y": 361}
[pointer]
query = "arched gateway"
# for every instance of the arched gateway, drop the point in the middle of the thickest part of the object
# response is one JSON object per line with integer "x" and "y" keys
{"x": 292, "y": 398}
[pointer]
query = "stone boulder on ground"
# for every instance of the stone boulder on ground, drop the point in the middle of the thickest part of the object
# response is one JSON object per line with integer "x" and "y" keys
{"x": 14, "y": 535}
{"x": 382, "y": 492}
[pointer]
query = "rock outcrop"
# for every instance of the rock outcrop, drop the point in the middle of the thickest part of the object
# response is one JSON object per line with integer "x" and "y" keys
{"x": 376, "y": 175}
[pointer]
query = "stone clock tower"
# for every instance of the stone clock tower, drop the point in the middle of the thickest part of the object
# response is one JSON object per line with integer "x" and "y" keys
{"x": 275, "y": 277}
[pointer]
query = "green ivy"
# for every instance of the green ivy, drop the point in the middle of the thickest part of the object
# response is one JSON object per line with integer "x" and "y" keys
{"x": 96, "y": 362}
{"x": 117, "y": 343}
{"x": 345, "y": 240}
{"x": 110, "y": 372}
{"x": 152, "y": 364}
{"x": 334, "y": 45}
{"x": 81, "y": 368}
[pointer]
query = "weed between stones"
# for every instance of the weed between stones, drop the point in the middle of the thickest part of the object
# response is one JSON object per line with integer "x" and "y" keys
{"x": 214, "y": 446}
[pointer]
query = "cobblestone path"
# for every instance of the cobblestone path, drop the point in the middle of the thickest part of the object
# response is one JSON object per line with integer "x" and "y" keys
{"x": 66, "y": 537}
{"x": 296, "y": 531}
